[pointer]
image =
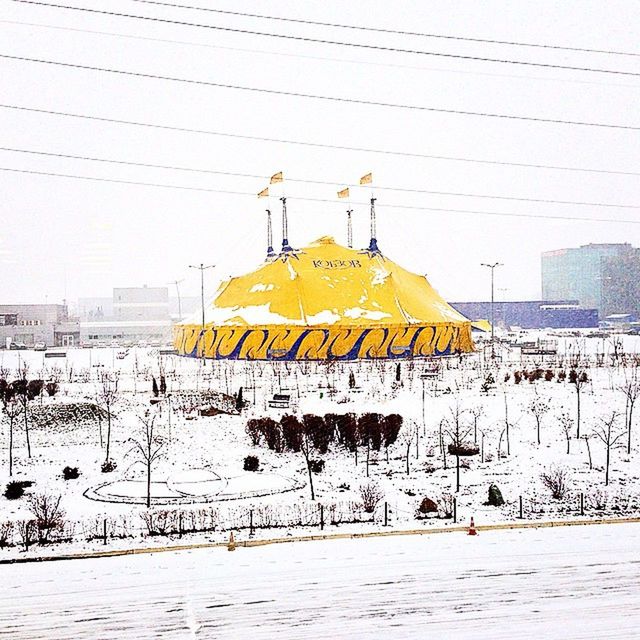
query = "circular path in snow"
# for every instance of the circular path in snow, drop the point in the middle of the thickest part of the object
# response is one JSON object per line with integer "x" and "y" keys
{"x": 194, "y": 486}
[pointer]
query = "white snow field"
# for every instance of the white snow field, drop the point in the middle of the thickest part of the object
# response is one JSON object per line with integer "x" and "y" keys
{"x": 568, "y": 582}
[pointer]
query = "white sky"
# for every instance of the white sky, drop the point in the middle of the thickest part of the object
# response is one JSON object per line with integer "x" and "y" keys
{"x": 82, "y": 237}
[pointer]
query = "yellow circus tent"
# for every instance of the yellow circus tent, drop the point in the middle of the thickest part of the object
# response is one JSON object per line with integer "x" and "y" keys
{"x": 325, "y": 302}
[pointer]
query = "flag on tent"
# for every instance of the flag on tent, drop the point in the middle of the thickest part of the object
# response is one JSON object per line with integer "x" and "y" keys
{"x": 367, "y": 179}
{"x": 344, "y": 193}
{"x": 264, "y": 193}
{"x": 276, "y": 177}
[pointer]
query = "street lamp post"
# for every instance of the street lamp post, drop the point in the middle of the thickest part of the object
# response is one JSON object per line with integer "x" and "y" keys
{"x": 177, "y": 283}
{"x": 202, "y": 269}
{"x": 492, "y": 267}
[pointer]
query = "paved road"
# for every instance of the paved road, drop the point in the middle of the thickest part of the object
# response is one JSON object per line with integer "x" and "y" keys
{"x": 569, "y": 583}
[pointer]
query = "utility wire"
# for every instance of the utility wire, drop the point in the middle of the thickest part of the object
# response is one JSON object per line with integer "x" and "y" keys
{"x": 317, "y": 182}
{"x": 390, "y": 31}
{"x": 317, "y": 145}
{"x": 301, "y": 56}
{"x": 372, "y": 47}
{"x": 326, "y": 98}
{"x": 324, "y": 200}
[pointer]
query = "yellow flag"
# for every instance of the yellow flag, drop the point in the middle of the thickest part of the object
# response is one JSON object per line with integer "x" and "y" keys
{"x": 366, "y": 179}
{"x": 276, "y": 177}
{"x": 344, "y": 193}
{"x": 264, "y": 193}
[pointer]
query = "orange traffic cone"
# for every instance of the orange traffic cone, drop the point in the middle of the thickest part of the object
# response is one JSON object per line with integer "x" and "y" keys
{"x": 472, "y": 528}
{"x": 231, "y": 546}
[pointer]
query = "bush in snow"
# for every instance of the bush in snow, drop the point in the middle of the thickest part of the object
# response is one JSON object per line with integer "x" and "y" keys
{"x": 14, "y": 490}
{"x": 251, "y": 463}
{"x": 48, "y": 514}
{"x": 320, "y": 435}
{"x": 370, "y": 494}
{"x": 291, "y": 433}
{"x": 316, "y": 466}
{"x": 445, "y": 506}
{"x": 27, "y": 530}
{"x": 427, "y": 506}
{"x": 517, "y": 377}
{"x": 70, "y": 473}
{"x": 6, "y": 532}
{"x": 556, "y": 478}
{"x": 495, "y": 496}
{"x": 108, "y": 466}
{"x": 51, "y": 388}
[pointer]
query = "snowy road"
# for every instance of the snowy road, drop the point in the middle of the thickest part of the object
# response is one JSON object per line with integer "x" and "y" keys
{"x": 573, "y": 582}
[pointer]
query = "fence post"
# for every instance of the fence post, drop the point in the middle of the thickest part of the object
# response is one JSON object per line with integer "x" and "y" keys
{"x": 321, "y": 517}
{"x": 582, "y": 504}
{"x": 180, "y": 525}
{"x": 521, "y": 516}
{"x": 386, "y": 514}
{"x": 455, "y": 510}
{"x": 251, "y": 523}
{"x": 104, "y": 531}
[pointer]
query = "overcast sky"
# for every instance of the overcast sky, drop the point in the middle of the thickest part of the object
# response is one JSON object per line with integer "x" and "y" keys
{"x": 62, "y": 236}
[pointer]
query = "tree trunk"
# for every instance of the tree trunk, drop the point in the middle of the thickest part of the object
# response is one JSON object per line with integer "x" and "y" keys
{"x": 606, "y": 476}
{"x": 589, "y": 452}
{"x": 313, "y": 494}
{"x": 568, "y": 444}
{"x": 368, "y": 450}
{"x": 457, "y": 473}
{"x": 578, "y": 421}
{"x": 629, "y": 429}
{"x": 538, "y": 426}
{"x": 408, "y": 452}
{"x": 108, "y": 432}
{"x": 148, "y": 485}
{"x": 11, "y": 447}
{"x": 26, "y": 427}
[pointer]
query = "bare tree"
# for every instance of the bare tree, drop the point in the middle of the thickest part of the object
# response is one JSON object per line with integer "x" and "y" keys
{"x": 406, "y": 437}
{"x": 566, "y": 424}
{"x": 539, "y": 407}
{"x": 12, "y": 409}
{"x": 477, "y": 412}
{"x": 606, "y": 432}
{"x": 21, "y": 387}
{"x": 148, "y": 448}
{"x": 578, "y": 380}
{"x": 458, "y": 434}
{"x": 107, "y": 396}
{"x": 586, "y": 437}
{"x": 306, "y": 446}
{"x": 631, "y": 389}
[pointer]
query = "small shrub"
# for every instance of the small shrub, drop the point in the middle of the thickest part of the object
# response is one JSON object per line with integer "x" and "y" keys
{"x": 6, "y": 531}
{"x": 371, "y": 494}
{"x": 108, "y": 466}
{"x": 14, "y": 490}
{"x": 445, "y": 506}
{"x": 507, "y": 377}
{"x": 316, "y": 466}
{"x": 344, "y": 487}
{"x": 495, "y": 496}
{"x": 517, "y": 377}
{"x": 562, "y": 376}
{"x": 427, "y": 506}
{"x": 51, "y": 388}
{"x": 488, "y": 457}
{"x": 70, "y": 473}
{"x": 251, "y": 463}
{"x": 49, "y": 516}
{"x": 556, "y": 479}
{"x": 464, "y": 449}
{"x": 548, "y": 375}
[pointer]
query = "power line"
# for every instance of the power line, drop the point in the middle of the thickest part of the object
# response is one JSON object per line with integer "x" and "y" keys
{"x": 302, "y": 56}
{"x": 390, "y": 31}
{"x": 326, "y": 98}
{"x": 318, "y": 145}
{"x": 323, "y": 200}
{"x": 371, "y": 47}
{"x": 333, "y": 183}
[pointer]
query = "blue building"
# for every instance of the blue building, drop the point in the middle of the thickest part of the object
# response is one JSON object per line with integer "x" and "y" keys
{"x": 532, "y": 314}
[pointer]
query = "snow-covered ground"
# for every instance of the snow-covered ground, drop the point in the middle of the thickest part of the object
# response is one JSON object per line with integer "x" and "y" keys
{"x": 567, "y": 583}
{"x": 198, "y": 447}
